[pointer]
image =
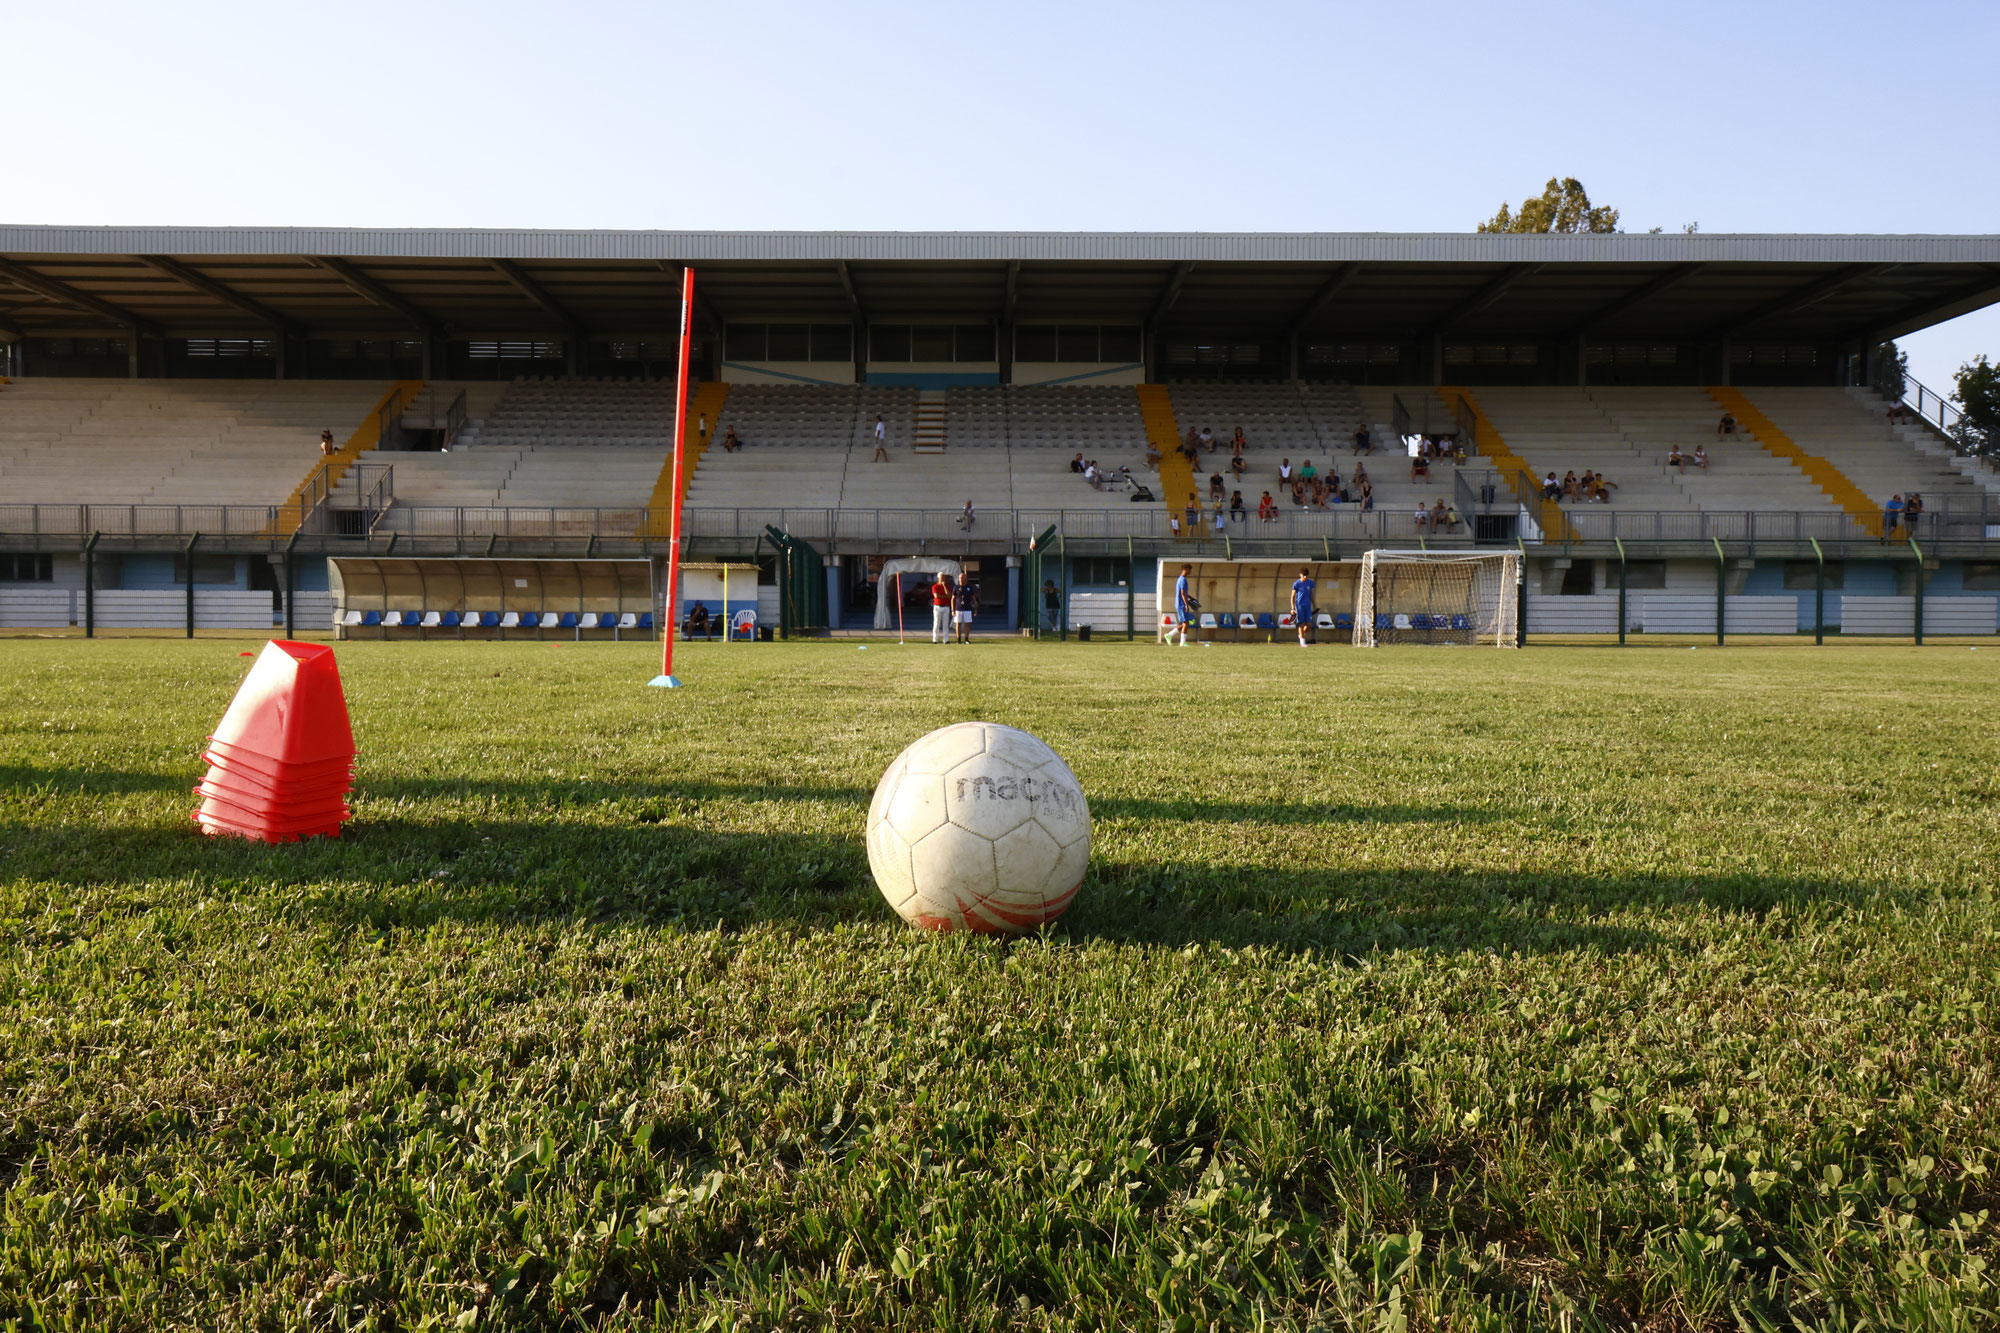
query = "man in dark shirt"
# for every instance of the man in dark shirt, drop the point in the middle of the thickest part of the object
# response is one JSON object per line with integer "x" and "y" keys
{"x": 966, "y": 603}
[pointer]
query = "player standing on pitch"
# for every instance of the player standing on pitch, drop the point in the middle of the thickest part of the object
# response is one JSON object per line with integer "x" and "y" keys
{"x": 1184, "y": 605}
{"x": 1302, "y": 604}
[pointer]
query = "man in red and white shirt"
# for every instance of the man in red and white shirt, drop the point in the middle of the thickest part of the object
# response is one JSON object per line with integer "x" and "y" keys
{"x": 941, "y": 609}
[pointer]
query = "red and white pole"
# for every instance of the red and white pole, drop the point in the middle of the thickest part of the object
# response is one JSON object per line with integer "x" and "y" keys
{"x": 666, "y": 676}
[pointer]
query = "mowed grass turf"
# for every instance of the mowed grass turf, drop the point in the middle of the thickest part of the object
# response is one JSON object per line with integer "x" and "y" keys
{"x": 1564, "y": 988}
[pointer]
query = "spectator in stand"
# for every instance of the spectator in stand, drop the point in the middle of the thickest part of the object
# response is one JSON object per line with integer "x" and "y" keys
{"x": 1569, "y": 485}
{"x": 941, "y": 609}
{"x": 731, "y": 442}
{"x": 1551, "y": 488}
{"x": 1090, "y": 474}
{"x": 882, "y": 442}
{"x": 1892, "y": 517}
{"x": 1420, "y": 467}
{"x": 1438, "y": 517}
{"x": 326, "y": 449}
{"x": 966, "y": 516}
{"x": 1451, "y": 519}
{"x": 1422, "y": 517}
{"x": 1207, "y": 438}
{"x": 1153, "y": 456}
{"x": 1284, "y": 472}
{"x": 1362, "y": 444}
{"x": 1076, "y": 464}
{"x": 1600, "y": 492}
{"x": 1299, "y": 494}
{"x": 1193, "y": 514}
{"x": 1701, "y": 457}
{"x": 1238, "y": 466}
{"x": 1051, "y": 603}
{"x": 1899, "y": 412}
{"x": 1237, "y": 443}
{"x": 1913, "y": 509}
{"x": 1216, "y": 489}
{"x": 1360, "y": 475}
{"x": 1676, "y": 459}
{"x": 1307, "y": 471}
{"x": 1726, "y": 426}
{"x": 1267, "y": 508}
{"x": 1236, "y": 505}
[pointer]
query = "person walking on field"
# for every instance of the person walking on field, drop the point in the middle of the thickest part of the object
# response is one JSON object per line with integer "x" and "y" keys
{"x": 941, "y": 609}
{"x": 1302, "y": 604}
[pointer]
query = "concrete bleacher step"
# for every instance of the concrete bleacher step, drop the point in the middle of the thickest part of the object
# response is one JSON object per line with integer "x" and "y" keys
{"x": 932, "y": 423}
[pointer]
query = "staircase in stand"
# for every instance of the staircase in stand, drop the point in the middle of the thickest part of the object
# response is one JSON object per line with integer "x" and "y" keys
{"x": 929, "y": 438}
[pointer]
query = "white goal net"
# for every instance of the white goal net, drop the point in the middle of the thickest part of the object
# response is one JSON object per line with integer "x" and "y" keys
{"x": 1460, "y": 597}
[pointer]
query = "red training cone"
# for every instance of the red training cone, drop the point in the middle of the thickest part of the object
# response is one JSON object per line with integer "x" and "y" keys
{"x": 281, "y": 760}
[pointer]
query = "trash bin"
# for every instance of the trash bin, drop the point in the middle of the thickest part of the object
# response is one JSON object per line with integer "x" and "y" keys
{"x": 1083, "y": 634}
{"x": 764, "y": 633}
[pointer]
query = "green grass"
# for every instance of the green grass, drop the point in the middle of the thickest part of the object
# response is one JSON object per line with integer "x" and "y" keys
{"x": 1567, "y": 988}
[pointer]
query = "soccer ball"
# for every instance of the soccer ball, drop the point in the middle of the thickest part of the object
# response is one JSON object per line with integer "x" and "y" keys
{"x": 978, "y": 827}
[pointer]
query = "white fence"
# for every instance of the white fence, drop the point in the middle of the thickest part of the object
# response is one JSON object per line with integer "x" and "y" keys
{"x": 1681, "y": 614}
{"x": 1596, "y": 613}
{"x": 38, "y": 608}
{"x": 1897, "y": 616}
{"x": 1105, "y": 612}
{"x": 161, "y": 608}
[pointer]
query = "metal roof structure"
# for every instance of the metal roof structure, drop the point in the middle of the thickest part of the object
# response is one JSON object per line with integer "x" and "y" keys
{"x": 343, "y": 283}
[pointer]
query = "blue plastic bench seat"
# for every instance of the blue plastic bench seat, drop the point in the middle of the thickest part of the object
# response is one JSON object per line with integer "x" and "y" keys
{"x": 645, "y": 620}
{"x": 449, "y": 620}
{"x": 1265, "y": 620}
{"x": 371, "y": 617}
{"x": 1343, "y": 621}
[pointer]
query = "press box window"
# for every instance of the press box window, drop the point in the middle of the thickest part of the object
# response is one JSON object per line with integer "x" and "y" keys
{"x": 931, "y": 342}
{"x": 788, "y": 342}
{"x": 27, "y": 569}
{"x": 1100, "y": 571}
{"x": 1982, "y": 578}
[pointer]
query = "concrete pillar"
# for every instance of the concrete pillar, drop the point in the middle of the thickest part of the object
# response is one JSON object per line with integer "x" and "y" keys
{"x": 1013, "y": 591}
{"x": 835, "y": 585}
{"x": 132, "y": 353}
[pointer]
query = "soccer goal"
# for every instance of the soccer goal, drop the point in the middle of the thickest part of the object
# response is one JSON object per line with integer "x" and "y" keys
{"x": 1461, "y": 597}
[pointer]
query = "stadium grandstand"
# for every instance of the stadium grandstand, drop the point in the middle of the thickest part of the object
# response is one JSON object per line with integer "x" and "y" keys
{"x": 1676, "y": 433}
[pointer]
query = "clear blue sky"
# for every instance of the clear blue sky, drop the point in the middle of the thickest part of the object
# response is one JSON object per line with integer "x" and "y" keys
{"x": 1766, "y": 117}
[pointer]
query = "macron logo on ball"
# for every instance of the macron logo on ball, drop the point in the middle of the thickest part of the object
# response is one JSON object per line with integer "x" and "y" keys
{"x": 1065, "y": 801}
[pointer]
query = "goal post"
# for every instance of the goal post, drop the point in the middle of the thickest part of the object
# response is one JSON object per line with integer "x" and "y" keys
{"x": 1437, "y": 597}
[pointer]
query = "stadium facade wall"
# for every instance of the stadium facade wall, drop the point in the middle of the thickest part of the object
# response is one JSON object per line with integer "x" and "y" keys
{"x": 1070, "y": 372}
{"x": 788, "y": 372}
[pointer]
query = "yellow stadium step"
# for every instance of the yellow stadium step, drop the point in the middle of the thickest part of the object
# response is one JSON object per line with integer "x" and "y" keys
{"x": 1512, "y": 467}
{"x": 704, "y": 410}
{"x": 326, "y": 474}
{"x": 1163, "y": 432}
{"x": 1831, "y": 480}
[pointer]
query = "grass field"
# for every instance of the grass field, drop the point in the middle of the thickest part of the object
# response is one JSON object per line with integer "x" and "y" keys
{"x": 1566, "y": 988}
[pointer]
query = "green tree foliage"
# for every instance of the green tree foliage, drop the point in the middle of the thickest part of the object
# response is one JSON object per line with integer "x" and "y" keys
{"x": 1979, "y": 398}
{"x": 1892, "y": 365}
{"x": 1564, "y": 206}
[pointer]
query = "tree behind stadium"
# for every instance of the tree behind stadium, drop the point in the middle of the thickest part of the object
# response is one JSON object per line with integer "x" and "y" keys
{"x": 1979, "y": 397}
{"x": 1564, "y": 206}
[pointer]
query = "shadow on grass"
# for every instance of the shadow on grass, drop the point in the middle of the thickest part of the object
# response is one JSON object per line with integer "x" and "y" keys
{"x": 691, "y": 793}
{"x": 565, "y": 871}
{"x": 87, "y": 781}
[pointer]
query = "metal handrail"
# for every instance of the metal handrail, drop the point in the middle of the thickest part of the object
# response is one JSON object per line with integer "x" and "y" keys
{"x": 938, "y": 526}
{"x": 1932, "y": 407}
{"x": 454, "y": 420}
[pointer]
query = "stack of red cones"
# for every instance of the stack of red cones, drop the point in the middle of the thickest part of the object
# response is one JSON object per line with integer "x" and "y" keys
{"x": 282, "y": 759}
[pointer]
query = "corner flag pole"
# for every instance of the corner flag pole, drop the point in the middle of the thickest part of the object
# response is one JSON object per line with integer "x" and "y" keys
{"x": 666, "y": 677}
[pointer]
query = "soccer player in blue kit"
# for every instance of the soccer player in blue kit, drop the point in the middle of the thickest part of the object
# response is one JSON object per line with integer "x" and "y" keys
{"x": 1302, "y": 604}
{"x": 1184, "y": 605}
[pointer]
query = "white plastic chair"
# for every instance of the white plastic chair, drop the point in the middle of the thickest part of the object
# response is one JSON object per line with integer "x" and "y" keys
{"x": 512, "y": 620}
{"x": 351, "y": 618}
{"x": 431, "y": 620}
{"x": 630, "y": 620}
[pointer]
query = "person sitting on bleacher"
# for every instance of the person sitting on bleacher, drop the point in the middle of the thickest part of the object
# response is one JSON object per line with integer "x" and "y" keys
{"x": 1076, "y": 464}
{"x": 1420, "y": 468}
{"x": 1267, "y": 508}
{"x": 1701, "y": 457}
{"x": 1207, "y": 438}
{"x": 1215, "y": 488}
{"x": 730, "y": 441}
{"x": 1726, "y": 426}
{"x": 1438, "y": 517}
{"x": 1237, "y": 467}
{"x": 1153, "y": 456}
{"x": 326, "y": 449}
{"x": 1451, "y": 518}
{"x": 1551, "y": 488}
{"x": 1422, "y": 517}
{"x": 1307, "y": 471}
{"x": 1284, "y": 472}
{"x": 1569, "y": 485}
{"x": 1236, "y": 506}
{"x": 1090, "y": 474}
{"x": 1238, "y": 443}
{"x": 1600, "y": 490}
{"x": 1362, "y": 444}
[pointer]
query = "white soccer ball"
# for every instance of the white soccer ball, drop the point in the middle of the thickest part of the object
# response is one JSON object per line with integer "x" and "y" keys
{"x": 979, "y": 827}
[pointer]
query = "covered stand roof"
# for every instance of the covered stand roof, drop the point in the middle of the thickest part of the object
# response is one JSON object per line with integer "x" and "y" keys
{"x": 313, "y": 282}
